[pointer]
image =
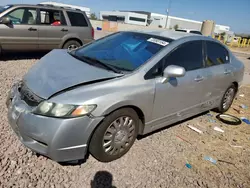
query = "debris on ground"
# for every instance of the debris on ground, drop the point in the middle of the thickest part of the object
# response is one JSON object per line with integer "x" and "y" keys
{"x": 244, "y": 106}
{"x": 245, "y": 120}
{"x": 210, "y": 159}
{"x": 195, "y": 129}
{"x": 242, "y": 95}
{"x": 228, "y": 119}
{"x": 225, "y": 162}
{"x": 219, "y": 129}
{"x": 188, "y": 165}
{"x": 210, "y": 115}
{"x": 183, "y": 139}
{"x": 211, "y": 120}
{"x": 234, "y": 146}
{"x": 237, "y": 110}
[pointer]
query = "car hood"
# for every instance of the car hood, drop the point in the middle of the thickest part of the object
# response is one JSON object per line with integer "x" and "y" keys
{"x": 58, "y": 71}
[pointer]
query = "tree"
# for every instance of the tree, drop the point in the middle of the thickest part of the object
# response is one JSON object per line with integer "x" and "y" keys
{"x": 93, "y": 16}
{"x": 176, "y": 27}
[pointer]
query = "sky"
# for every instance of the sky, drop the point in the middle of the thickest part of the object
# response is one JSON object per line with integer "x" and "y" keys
{"x": 233, "y": 13}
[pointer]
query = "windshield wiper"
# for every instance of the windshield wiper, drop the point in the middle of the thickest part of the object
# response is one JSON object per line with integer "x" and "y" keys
{"x": 107, "y": 66}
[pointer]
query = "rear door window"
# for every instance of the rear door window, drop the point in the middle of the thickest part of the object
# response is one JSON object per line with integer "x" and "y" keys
{"x": 77, "y": 19}
{"x": 216, "y": 54}
{"x": 52, "y": 17}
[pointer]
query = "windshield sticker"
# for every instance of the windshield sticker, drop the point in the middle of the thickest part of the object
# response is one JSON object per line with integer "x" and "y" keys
{"x": 157, "y": 41}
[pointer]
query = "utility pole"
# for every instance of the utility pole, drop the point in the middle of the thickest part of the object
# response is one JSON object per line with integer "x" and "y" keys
{"x": 169, "y": 4}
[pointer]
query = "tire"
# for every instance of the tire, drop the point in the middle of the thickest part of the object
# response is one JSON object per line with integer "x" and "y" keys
{"x": 113, "y": 132}
{"x": 224, "y": 107}
{"x": 71, "y": 45}
{"x": 225, "y": 119}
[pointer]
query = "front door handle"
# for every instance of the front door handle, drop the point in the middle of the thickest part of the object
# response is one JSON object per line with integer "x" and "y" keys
{"x": 199, "y": 78}
{"x": 32, "y": 29}
{"x": 227, "y": 72}
{"x": 64, "y": 30}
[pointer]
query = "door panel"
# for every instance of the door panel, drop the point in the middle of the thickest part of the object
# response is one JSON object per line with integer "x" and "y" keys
{"x": 50, "y": 37}
{"x": 52, "y": 28}
{"x": 22, "y": 34}
{"x": 181, "y": 97}
{"x": 219, "y": 69}
{"x": 18, "y": 37}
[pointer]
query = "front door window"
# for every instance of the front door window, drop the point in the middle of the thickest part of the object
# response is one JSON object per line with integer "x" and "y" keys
{"x": 25, "y": 16}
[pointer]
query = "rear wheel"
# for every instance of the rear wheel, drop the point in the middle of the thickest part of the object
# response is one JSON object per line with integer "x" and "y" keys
{"x": 71, "y": 45}
{"x": 227, "y": 99}
{"x": 115, "y": 135}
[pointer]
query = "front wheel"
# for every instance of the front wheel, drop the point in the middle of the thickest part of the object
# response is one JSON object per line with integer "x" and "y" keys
{"x": 115, "y": 135}
{"x": 227, "y": 99}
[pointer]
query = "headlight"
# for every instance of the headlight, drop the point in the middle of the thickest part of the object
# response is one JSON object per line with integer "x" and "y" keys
{"x": 63, "y": 110}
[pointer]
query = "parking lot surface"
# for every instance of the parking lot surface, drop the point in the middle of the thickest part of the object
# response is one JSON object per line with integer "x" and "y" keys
{"x": 156, "y": 160}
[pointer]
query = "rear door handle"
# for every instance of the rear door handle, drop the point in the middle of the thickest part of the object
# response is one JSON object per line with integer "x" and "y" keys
{"x": 64, "y": 30}
{"x": 199, "y": 78}
{"x": 32, "y": 29}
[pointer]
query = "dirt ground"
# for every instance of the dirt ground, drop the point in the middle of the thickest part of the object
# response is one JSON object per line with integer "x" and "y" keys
{"x": 157, "y": 160}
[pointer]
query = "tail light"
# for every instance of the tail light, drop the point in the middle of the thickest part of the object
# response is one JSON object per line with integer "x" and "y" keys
{"x": 93, "y": 32}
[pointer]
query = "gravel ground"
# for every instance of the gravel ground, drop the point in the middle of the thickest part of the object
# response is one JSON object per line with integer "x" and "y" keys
{"x": 157, "y": 160}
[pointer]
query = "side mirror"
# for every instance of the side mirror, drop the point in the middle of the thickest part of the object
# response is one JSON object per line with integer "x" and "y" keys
{"x": 173, "y": 71}
{"x": 5, "y": 20}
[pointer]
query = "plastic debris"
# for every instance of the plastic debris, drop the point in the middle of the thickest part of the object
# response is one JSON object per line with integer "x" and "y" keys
{"x": 210, "y": 115}
{"x": 195, "y": 129}
{"x": 235, "y": 146}
{"x": 245, "y": 120}
{"x": 210, "y": 159}
{"x": 239, "y": 111}
{"x": 212, "y": 120}
{"x": 219, "y": 129}
{"x": 183, "y": 139}
{"x": 242, "y": 95}
{"x": 188, "y": 165}
{"x": 243, "y": 106}
{"x": 225, "y": 162}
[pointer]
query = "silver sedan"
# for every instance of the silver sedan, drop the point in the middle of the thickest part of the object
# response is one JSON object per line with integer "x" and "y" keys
{"x": 100, "y": 97}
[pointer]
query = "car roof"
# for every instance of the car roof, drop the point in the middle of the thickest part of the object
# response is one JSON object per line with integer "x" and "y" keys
{"x": 44, "y": 6}
{"x": 175, "y": 35}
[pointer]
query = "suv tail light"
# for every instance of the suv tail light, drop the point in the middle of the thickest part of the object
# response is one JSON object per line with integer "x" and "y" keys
{"x": 93, "y": 32}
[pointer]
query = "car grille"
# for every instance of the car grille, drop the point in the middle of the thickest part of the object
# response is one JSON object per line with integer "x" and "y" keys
{"x": 28, "y": 96}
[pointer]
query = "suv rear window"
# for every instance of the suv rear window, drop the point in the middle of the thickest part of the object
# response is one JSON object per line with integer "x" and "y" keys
{"x": 77, "y": 19}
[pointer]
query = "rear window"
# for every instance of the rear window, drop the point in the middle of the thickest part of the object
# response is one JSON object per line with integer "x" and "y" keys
{"x": 196, "y": 32}
{"x": 125, "y": 50}
{"x": 180, "y": 30}
{"x": 216, "y": 54}
{"x": 77, "y": 19}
